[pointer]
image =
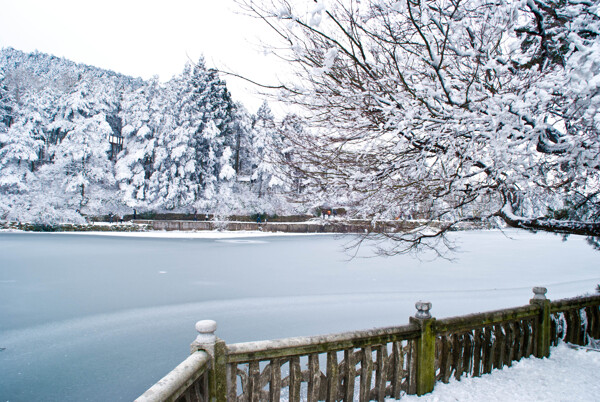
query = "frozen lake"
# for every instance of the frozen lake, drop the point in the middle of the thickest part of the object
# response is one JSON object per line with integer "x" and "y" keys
{"x": 98, "y": 318}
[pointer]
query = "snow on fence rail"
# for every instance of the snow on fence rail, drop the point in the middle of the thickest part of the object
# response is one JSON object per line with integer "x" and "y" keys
{"x": 379, "y": 363}
{"x": 187, "y": 382}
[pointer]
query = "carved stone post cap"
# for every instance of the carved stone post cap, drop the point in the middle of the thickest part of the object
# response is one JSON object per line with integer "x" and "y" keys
{"x": 206, "y": 326}
{"x": 540, "y": 293}
{"x": 423, "y": 309}
{"x": 206, "y": 332}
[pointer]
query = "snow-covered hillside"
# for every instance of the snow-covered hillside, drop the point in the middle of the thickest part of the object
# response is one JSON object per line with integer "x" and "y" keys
{"x": 78, "y": 140}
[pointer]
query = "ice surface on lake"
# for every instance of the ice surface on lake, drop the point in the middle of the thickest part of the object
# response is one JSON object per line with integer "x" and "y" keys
{"x": 103, "y": 318}
{"x": 242, "y": 241}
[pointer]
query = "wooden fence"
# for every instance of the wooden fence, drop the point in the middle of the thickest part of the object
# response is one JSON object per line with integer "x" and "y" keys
{"x": 379, "y": 363}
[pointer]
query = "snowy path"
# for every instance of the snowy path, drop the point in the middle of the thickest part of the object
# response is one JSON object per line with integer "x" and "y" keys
{"x": 568, "y": 375}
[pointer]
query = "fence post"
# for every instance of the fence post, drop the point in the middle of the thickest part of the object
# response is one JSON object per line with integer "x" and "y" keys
{"x": 217, "y": 349}
{"x": 543, "y": 334}
{"x": 425, "y": 376}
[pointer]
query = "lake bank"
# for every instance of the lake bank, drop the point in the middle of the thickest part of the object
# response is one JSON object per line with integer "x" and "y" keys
{"x": 315, "y": 225}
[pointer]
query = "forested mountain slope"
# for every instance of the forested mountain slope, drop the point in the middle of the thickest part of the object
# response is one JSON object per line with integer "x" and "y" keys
{"x": 76, "y": 140}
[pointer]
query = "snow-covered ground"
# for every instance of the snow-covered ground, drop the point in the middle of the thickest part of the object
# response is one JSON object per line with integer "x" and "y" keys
{"x": 200, "y": 234}
{"x": 568, "y": 375}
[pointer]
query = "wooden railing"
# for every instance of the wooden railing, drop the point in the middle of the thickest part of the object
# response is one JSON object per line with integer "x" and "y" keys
{"x": 187, "y": 382}
{"x": 381, "y": 360}
{"x": 380, "y": 363}
{"x": 475, "y": 344}
{"x": 575, "y": 320}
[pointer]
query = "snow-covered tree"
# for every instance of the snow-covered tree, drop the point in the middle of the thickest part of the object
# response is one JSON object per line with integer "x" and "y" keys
{"x": 217, "y": 141}
{"x": 22, "y": 143}
{"x": 19, "y": 151}
{"x": 435, "y": 107}
{"x": 290, "y": 165}
{"x": 5, "y": 105}
{"x": 80, "y": 169}
{"x": 88, "y": 177}
{"x": 266, "y": 151}
{"x": 22, "y": 136}
{"x": 141, "y": 121}
{"x": 242, "y": 148}
{"x": 193, "y": 156}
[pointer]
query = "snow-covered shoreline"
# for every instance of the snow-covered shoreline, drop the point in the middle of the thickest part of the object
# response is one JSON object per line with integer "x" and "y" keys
{"x": 113, "y": 230}
{"x": 216, "y": 229}
{"x": 174, "y": 234}
{"x": 208, "y": 234}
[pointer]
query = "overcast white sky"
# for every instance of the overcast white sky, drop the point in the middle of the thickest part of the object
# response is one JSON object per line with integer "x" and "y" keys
{"x": 143, "y": 38}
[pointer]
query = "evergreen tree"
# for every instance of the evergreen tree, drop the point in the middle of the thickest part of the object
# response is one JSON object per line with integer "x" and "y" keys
{"x": 173, "y": 183}
{"x": 291, "y": 165}
{"x": 135, "y": 165}
{"x": 242, "y": 148}
{"x": 193, "y": 155}
{"x": 22, "y": 135}
{"x": 80, "y": 153}
{"x": 216, "y": 140}
{"x": 266, "y": 146}
{"x": 5, "y": 105}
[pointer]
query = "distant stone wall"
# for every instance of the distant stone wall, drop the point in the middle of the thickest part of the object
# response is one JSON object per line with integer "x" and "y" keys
{"x": 324, "y": 226}
{"x": 66, "y": 227}
{"x": 313, "y": 226}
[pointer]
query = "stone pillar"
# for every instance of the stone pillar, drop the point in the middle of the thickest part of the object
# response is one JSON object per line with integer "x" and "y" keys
{"x": 206, "y": 338}
{"x": 217, "y": 349}
{"x": 425, "y": 376}
{"x": 543, "y": 322}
